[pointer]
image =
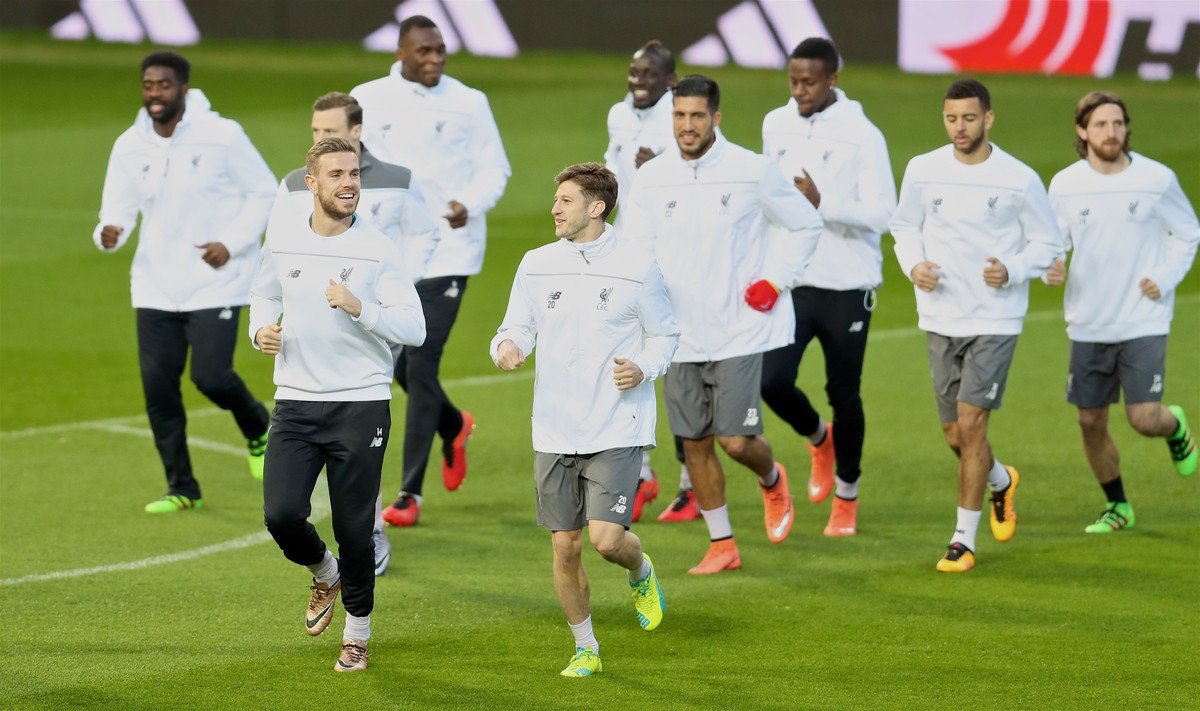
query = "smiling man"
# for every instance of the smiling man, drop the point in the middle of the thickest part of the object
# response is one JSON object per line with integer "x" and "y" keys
{"x": 204, "y": 194}
{"x": 838, "y": 159}
{"x": 972, "y": 227}
{"x": 704, "y": 207}
{"x": 639, "y": 128}
{"x": 595, "y": 306}
{"x": 343, "y": 294}
{"x": 1134, "y": 235}
{"x": 444, "y": 131}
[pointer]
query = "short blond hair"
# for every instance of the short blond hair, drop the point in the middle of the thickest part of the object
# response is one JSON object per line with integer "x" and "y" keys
{"x": 324, "y": 147}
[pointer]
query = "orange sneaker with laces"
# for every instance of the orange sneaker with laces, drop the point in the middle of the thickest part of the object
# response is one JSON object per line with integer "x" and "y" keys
{"x": 843, "y": 518}
{"x": 820, "y": 477}
{"x": 721, "y": 555}
{"x": 777, "y": 507}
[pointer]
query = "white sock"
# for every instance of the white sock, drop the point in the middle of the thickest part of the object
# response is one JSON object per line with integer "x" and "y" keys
{"x": 647, "y": 475}
{"x": 327, "y": 570}
{"x": 358, "y": 628}
{"x": 968, "y": 524}
{"x": 379, "y": 513}
{"x": 718, "y": 523}
{"x": 819, "y": 436}
{"x": 584, "y": 636}
{"x": 771, "y": 479}
{"x": 846, "y": 489}
{"x": 641, "y": 572}
{"x": 416, "y": 497}
{"x": 998, "y": 477}
{"x": 685, "y": 479}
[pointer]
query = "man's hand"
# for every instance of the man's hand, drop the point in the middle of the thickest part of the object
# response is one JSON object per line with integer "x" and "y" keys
{"x": 995, "y": 274}
{"x": 762, "y": 295}
{"x": 215, "y": 255}
{"x": 457, "y": 217}
{"x": 1150, "y": 289}
{"x": 644, "y": 154}
{"x": 109, "y": 235}
{"x": 1056, "y": 274}
{"x": 508, "y": 356}
{"x": 339, "y": 297}
{"x": 924, "y": 277}
{"x": 627, "y": 374}
{"x": 269, "y": 339}
{"x": 808, "y": 187}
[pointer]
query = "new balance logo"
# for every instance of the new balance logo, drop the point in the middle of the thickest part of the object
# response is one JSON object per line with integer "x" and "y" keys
{"x": 670, "y": 207}
{"x": 552, "y": 299}
{"x": 937, "y": 202}
{"x": 1157, "y": 385}
{"x": 620, "y": 506}
{"x": 1083, "y": 215}
{"x": 991, "y": 394}
{"x": 227, "y": 314}
{"x": 377, "y": 440}
{"x": 453, "y": 291}
{"x": 856, "y": 327}
{"x": 751, "y": 417}
{"x": 293, "y": 274}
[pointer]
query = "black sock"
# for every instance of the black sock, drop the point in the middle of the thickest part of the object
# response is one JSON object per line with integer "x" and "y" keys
{"x": 1115, "y": 491}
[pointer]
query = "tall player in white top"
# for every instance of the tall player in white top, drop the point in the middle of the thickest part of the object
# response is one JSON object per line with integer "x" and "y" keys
{"x": 972, "y": 227}
{"x": 639, "y": 128}
{"x": 1134, "y": 235}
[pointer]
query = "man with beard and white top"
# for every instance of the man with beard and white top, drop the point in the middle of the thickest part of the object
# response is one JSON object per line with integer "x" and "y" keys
{"x": 444, "y": 131}
{"x": 594, "y": 305}
{"x": 639, "y": 128}
{"x": 972, "y": 227}
{"x": 204, "y": 194}
{"x": 704, "y": 209}
{"x": 1134, "y": 235}
{"x": 388, "y": 200}
{"x": 344, "y": 295}
{"x": 839, "y": 160}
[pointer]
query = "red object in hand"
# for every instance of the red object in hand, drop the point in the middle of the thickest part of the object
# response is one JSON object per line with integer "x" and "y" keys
{"x": 762, "y": 295}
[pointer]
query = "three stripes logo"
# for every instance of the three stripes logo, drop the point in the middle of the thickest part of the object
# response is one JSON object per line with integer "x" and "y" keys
{"x": 159, "y": 21}
{"x": 474, "y": 25}
{"x": 757, "y": 33}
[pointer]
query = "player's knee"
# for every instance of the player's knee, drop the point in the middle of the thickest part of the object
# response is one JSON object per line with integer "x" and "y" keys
{"x": 736, "y": 447}
{"x": 566, "y": 547}
{"x": 211, "y": 383}
{"x": 1145, "y": 423}
{"x": 1093, "y": 421}
{"x": 844, "y": 397}
{"x": 950, "y": 431}
{"x": 608, "y": 544}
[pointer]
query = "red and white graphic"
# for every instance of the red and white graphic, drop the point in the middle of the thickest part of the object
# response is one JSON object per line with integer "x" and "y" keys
{"x": 1156, "y": 38}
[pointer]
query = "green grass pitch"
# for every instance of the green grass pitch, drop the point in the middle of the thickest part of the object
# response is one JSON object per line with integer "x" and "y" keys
{"x": 466, "y": 617}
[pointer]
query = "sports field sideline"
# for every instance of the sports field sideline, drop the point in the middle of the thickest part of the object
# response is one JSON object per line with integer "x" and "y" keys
{"x": 116, "y": 609}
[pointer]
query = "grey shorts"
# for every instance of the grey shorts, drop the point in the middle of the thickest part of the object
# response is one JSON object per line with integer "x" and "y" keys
{"x": 717, "y": 398}
{"x": 1099, "y": 370}
{"x": 573, "y": 489}
{"x": 970, "y": 369}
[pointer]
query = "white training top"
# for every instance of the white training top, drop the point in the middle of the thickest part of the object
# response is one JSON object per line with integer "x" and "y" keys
{"x": 582, "y": 305}
{"x": 328, "y": 355}
{"x": 629, "y": 129}
{"x": 446, "y": 134}
{"x": 1124, "y": 227}
{"x": 847, "y": 158}
{"x": 957, "y": 215}
{"x": 706, "y": 220}
{"x": 388, "y": 201}
{"x": 205, "y": 183}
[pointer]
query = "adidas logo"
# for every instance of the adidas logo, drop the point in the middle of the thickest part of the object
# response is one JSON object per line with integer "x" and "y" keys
{"x": 161, "y": 21}
{"x": 477, "y": 26}
{"x": 755, "y": 33}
